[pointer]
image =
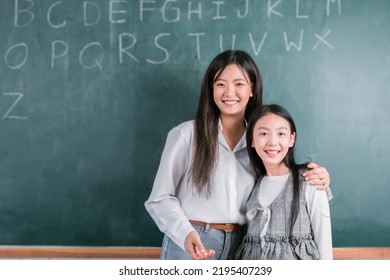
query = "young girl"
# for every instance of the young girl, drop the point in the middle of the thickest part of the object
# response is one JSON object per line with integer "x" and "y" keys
{"x": 204, "y": 178}
{"x": 287, "y": 218}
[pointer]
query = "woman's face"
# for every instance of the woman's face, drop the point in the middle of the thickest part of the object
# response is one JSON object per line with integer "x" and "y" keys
{"x": 232, "y": 91}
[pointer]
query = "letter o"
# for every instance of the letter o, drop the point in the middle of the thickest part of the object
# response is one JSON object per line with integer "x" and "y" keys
{"x": 23, "y": 59}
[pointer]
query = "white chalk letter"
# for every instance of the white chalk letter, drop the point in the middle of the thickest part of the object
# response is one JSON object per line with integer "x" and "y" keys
{"x": 125, "y": 51}
{"x": 49, "y": 16}
{"x": 292, "y": 44}
{"x": 142, "y": 9}
{"x": 258, "y": 49}
{"x": 54, "y": 54}
{"x": 218, "y": 16}
{"x": 197, "y": 35}
{"x": 298, "y": 15}
{"x": 26, "y": 11}
{"x": 328, "y": 6}
{"x": 246, "y": 11}
{"x": 7, "y": 114}
{"x": 23, "y": 60}
{"x": 85, "y": 9}
{"x": 271, "y": 8}
{"x": 177, "y": 11}
{"x": 221, "y": 42}
{"x": 190, "y": 11}
{"x": 321, "y": 39}
{"x": 97, "y": 62}
{"x": 161, "y": 48}
{"x": 112, "y": 11}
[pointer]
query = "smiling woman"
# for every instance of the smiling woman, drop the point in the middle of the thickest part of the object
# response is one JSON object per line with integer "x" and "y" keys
{"x": 204, "y": 168}
{"x": 232, "y": 90}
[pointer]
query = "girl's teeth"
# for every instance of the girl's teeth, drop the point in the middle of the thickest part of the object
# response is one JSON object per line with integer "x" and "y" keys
{"x": 230, "y": 102}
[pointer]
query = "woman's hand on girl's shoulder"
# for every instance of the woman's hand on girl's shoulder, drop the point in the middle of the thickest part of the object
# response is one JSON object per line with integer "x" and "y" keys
{"x": 318, "y": 176}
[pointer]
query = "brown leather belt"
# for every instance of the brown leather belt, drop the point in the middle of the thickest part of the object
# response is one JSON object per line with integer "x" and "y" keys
{"x": 224, "y": 227}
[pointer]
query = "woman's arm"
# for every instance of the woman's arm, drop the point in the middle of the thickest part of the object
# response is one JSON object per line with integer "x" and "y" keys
{"x": 163, "y": 205}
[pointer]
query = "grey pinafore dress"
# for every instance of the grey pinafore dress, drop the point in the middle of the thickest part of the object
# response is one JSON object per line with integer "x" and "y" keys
{"x": 268, "y": 232}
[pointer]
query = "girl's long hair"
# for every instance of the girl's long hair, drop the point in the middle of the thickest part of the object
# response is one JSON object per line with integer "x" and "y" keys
{"x": 207, "y": 115}
{"x": 257, "y": 164}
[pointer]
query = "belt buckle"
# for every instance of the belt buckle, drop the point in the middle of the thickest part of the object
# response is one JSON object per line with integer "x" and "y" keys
{"x": 227, "y": 227}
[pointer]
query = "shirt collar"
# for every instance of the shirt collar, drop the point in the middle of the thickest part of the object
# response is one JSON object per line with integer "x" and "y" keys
{"x": 240, "y": 145}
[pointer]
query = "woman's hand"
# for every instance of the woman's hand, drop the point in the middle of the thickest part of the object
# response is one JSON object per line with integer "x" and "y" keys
{"x": 318, "y": 176}
{"x": 195, "y": 247}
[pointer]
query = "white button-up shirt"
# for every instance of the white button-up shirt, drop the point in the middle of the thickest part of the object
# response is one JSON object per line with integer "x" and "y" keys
{"x": 174, "y": 199}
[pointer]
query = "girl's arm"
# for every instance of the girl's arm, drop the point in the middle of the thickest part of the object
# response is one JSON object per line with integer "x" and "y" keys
{"x": 319, "y": 212}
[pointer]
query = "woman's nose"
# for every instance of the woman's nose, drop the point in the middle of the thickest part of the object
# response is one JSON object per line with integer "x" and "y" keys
{"x": 230, "y": 90}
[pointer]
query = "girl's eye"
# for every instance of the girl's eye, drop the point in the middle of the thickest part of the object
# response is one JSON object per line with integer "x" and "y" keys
{"x": 219, "y": 85}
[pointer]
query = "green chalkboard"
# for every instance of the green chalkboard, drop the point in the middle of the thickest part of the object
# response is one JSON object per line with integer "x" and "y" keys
{"x": 89, "y": 90}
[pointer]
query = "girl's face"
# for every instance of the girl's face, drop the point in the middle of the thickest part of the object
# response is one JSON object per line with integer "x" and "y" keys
{"x": 272, "y": 139}
{"x": 232, "y": 91}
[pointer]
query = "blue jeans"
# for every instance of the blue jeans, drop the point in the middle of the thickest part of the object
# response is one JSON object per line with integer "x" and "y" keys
{"x": 223, "y": 243}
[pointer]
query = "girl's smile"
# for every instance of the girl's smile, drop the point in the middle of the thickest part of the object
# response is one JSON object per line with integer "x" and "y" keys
{"x": 272, "y": 138}
{"x": 272, "y": 153}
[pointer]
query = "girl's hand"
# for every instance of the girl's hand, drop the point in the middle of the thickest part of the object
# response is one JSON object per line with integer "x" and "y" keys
{"x": 195, "y": 247}
{"x": 318, "y": 176}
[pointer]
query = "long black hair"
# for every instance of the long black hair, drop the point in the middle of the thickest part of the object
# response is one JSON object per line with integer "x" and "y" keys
{"x": 256, "y": 162}
{"x": 207, "y": 114}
